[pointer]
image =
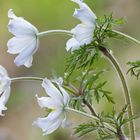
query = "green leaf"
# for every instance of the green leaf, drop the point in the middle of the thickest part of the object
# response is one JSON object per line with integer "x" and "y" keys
{"x": 100, "y": 93}
{"x": 119, "y": 22}
{"x": 84, "y": 129}
{"x": 134, "y": 68}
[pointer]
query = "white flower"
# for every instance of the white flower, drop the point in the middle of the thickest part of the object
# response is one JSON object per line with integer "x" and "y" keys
{"x": 25, "y": 41}
{"x": 82, "y": 33}
{"x": 57, "y": 101}
{"x": 4, "y": 89}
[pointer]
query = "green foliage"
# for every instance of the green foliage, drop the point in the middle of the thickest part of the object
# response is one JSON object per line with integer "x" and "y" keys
{"x": 103, "y": 132}
{"x": 108, "y": 126}
{"x": 100, "y": 93}
{"x": 104, "y": 28}
{"x": 92, "y": 86}
{"x": 82, "y": 58}
{"x": 77, "y": 103}
{"x": 134, "y": 68}
{"x": 84, "y": 129}
{"x": 89, "y": 87}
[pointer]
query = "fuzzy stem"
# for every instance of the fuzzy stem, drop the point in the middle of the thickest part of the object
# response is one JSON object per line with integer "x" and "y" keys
{"x": 127, "y": 96}
{"x": 91, "y": 117}
{"x": 54, "y": 32}
{"x": 26, "y": 79}
{"x": 127, "y": 37}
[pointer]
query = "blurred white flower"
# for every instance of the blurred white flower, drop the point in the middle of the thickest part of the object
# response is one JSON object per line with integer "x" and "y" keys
{"x": 4, "y": 89}
{"x": 25, "y": 43}
{"x": 56, "y": 102}
{"x": 82, "y": 33}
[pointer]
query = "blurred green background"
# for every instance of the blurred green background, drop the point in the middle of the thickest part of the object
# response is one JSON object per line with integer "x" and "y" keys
{"x": 51, "y": 58}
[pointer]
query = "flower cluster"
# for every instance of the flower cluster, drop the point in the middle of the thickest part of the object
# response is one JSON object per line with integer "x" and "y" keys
{"x": 26, "y": 40}
{"x": 87, "y": 40}
{"x": 25, "y": 43}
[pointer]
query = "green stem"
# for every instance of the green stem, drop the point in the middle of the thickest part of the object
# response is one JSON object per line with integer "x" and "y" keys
{"x": 82, "y": 113}
{"x": 54, "y": 32}
{"x": 26, "y": 79}
{"x": 127, "y": 96}
{"x": 127, "y": 37}
{"x": 67, "y": 32}
{"x": 91, "y": 117}
{"x": 92, "y": 110}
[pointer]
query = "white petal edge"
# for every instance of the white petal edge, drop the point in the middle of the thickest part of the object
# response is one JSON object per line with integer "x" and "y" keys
{"x": 48, "y": 102}
{"x": 26, "y": 55}
{"x": 20, "y": 27}
{"x": 51, "y": 90}
{"x": 3, "y": 100}
{"x": 72, "y": 44}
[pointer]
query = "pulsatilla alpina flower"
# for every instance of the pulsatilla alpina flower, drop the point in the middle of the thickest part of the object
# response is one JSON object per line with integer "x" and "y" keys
{"x": 82, "y": 33}
{"x": 25, "y": 43}
{"x": 4, "y": 89}
{"x": 56, "y": 102}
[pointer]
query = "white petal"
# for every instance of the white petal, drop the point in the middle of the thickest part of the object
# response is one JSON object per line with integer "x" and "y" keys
{"x": 28, "y": 62}
{"x": 44, "y": 123}
{"x": 20, "y": 27}
{"x": 3, "y": 100}
{"x": 66, "y": 97}
{"x": 11, "y": 14}
{"x": 18, "y": 44}
{"x": 52, "y": 91}
{"x": 26, "y": 55}
{"x": 58, "y": 80}
{"x": 85, "y": 15}
{"x": 3, "y": 71}
{"x": 48, "y": 102}
{"x": 53, "y": 127}
{"x": 4, "y": 79}
{"x": 83, "y": 33}
{"x": 4, "y": 83}
{"x": 65, "y": 123}
{"x": 72, "y": 44}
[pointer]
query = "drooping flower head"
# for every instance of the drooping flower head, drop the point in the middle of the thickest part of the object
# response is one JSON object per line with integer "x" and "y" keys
{"x": 82, "y": 33}
{"x": 4, "y": 89}
{"x": 56, "y": 102}
{"x": 25, "y": 43}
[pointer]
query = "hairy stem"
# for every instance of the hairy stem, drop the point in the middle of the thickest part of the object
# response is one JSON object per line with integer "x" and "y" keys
{"x": 91, "y": 117}
{"x": 127, "y": 96}
{"x": 26, "y": 79}
{"x": 127, "y": 37}
{"x": 49, "y": 32}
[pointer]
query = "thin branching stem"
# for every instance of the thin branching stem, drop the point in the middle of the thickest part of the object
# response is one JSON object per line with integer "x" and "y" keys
{"x": 92, "y": 110}
{"x": 121, "y": 135}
